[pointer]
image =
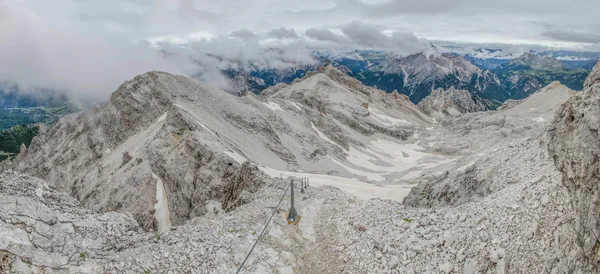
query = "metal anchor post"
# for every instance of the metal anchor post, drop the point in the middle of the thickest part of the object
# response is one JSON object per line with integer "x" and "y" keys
{"x": 302, "y": 186}
{"x": 292, "y": 217}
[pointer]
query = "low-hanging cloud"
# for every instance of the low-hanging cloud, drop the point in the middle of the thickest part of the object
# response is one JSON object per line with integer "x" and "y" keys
{"x": 88, "y": 68}
{"x": 572, "y": 36}
{"x": 283, "y": 33}
{"x": 88, "y": 48}
{"x": 244, "y": 34}
{"x": 326, "y": 35}
{"x": 367, "y": 35}
{"x": 90, "y": 65}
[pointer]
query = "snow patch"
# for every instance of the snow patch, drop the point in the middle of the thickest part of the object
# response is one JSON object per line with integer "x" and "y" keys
{"x": 540, "y": 119}
{"x": 163, "y": 117}
{"x": 386, "y": 120}
{"x": 296, "y": 105}
{"x": 204, "y": 127}
{"x": 273, "y": 106}
{"x": 371, "y": 176}
{"x": 39, "y": 192}
{"x": 161, "y": 208}
{"x": 463, "y": 168}
{"x": 361, "y": 190}
{"x": 398, "y": 157}
{"x": 324, "y": 137}
{"x": 235, "y": 156}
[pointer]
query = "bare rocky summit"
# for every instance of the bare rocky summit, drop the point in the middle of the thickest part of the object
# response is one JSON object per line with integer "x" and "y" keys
{"x": 441, "y": 103}
{"x": 115, "y": 157}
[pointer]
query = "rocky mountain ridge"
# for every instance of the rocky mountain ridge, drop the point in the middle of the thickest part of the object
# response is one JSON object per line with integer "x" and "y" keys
{"x": 535, "y": 61}
{"x": 391, "y": 189}
{"x": 165, "y": 130}
{"x": 530, "y": 72}
{"x": 451, "y": 103}
{"x": 419, "y": 74}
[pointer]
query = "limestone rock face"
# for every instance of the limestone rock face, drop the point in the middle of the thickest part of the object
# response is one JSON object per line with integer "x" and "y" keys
{"x": 22, "y": 151}
{"x": 508, "y": 104}
{"x": 451, "y": 103}
{"x": 111, "y": 157}
{"x": 574, "y": 144}
{"x": 592, "y": 79}
{"x": 45, "y": 231}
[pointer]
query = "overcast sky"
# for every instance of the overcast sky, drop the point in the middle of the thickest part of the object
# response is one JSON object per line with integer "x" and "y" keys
{"x": 70, "y": 44}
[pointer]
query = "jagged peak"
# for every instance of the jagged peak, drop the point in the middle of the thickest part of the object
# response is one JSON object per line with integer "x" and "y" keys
{"x": 593, "y": 79}
{"x": 336, "y": 74}
{"x": 553, "y": 85}
{"x": 536, "y": 61}
{"x": 273, "y": 89}
{"x": 452, "y": 91}
{"x": 451, "y": 102}
{"x": 140, "y": 84}
{"x": 161, "y": 87}
{"x": 333, "y": 74}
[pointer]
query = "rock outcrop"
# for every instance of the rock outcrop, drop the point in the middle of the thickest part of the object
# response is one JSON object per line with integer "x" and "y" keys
{"x": 46, "y": 231}
{"x": 574, "y": 144}
{"x": 451, "y": 103}
{"x": 508, "y": 104}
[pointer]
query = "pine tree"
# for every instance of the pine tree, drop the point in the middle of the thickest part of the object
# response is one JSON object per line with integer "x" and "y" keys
{"x": 11, "y": 139}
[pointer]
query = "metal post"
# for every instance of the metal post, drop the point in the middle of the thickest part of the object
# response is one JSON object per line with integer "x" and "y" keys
{"x": 302, "y": 186}
{"x": 292, "y": 216}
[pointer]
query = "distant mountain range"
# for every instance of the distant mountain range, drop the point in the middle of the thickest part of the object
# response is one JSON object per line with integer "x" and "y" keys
{"x": 490, "y": 74}
{"x": 530, "y": 72}
{"x": 489, "y": 58}
{"x": 419, "y": 74}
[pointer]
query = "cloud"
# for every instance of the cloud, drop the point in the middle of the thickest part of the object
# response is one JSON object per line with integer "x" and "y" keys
{"x": 371, "y": 36}
{"x": 90, "y": 47}
{"x": 365, "y": 34}
{"x": 326, "y": 35}
{"x": 243, "y": 34}
{"x": 37, "y": 56}
{"x": 395, "y": 7}
{"x": 186, "y": 7}
{"x": 283, "y": 33}
{"x": 572, "y": 36}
